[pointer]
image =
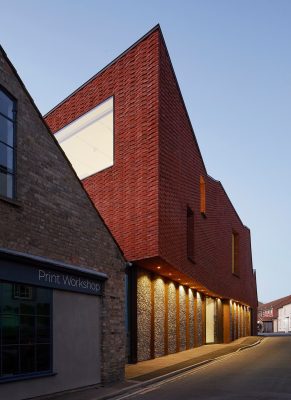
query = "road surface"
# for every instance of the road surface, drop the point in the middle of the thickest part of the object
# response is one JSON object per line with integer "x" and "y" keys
{"x": 259, "y": 373}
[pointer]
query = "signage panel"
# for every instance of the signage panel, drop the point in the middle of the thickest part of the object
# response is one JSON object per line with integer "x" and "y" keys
{"x": 51, "y": 278}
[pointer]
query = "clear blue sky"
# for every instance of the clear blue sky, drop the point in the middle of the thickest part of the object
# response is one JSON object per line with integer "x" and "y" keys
{"x": 233, "y": 62}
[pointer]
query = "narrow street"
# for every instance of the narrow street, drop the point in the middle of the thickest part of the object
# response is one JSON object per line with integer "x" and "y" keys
{"x": 261, "y": 372}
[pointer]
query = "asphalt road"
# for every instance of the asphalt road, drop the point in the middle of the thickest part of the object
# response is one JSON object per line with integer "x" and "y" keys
{"x": 261, "y": 372}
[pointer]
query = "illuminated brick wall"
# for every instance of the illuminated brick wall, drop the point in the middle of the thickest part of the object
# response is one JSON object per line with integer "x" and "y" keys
{"x": 157, "y": 170}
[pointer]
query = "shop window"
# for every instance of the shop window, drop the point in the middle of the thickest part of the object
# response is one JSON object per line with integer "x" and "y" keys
{"x": 202, "y": 196}
{"x": 7, "y": 145}
{"x": 88, "y": 141}
{"x": 26, "y": 336}
{"x": 190, "y": 234}
{"x": 235, "y": 250}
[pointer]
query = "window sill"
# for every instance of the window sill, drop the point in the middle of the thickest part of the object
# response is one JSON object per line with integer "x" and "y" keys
{"x": 13, "y": 202}
{"x": 26, "y": 377}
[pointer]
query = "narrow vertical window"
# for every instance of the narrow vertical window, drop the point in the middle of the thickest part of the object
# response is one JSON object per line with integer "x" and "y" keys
{"x": 7, "y": 146}
{"x": 234, "y": 250}
{"x": 202, "y": 196}
{"x": 190, "y": 234}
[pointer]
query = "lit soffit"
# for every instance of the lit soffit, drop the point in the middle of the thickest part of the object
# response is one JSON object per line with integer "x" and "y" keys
{"x": 88, "y": 141}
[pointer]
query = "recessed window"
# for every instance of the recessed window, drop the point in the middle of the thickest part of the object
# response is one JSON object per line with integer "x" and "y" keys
{"x": 202, "y": 196}
{"x": 7, "y": 145}
{"x": 88, "y": 141}
{"x": 25, "y": 330}
{"x": 190, "y": 234}
{"x": 235, "y": 250}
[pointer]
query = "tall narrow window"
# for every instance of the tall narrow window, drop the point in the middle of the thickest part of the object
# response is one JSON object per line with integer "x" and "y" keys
{"x": 7, "y": 146}
{"x": 202, "y": 196}
{"x": 234, "y": 250}
{"x": 190, "y": 234}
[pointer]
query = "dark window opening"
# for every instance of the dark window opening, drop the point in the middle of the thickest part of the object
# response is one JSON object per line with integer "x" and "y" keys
{"x": 190, "y": 234}
{"x": 202, "y": 196}
{"x": 7, "y": 145}
{"x": 235, "y": 253}
{"x": 25, "y": 330}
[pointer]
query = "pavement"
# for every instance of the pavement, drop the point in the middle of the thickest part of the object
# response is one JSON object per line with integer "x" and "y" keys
{"x": 148, "y": 372}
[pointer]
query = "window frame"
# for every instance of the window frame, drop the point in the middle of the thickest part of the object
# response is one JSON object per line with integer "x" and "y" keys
{"x": 202, "y": 190}
{"x": 190, "y": 234}
{"x": 13, "y": 147}
{"x": 235, "y": 253}
{"x": 32, "y": 374}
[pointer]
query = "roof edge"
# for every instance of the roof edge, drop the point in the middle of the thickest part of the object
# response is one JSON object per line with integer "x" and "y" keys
{"x": 155, "y": 28}
{"x": 60, "y": 148}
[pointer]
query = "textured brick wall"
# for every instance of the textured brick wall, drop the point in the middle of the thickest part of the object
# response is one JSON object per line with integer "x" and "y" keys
{"x": 144, "y": 196}
{"x": 55, "y": 219}
{"x": 127, "y": 193}
{"x": 179, "y": 175}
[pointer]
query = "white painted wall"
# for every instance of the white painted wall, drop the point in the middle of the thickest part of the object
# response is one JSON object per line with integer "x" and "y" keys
{"x": 284, "y": 318}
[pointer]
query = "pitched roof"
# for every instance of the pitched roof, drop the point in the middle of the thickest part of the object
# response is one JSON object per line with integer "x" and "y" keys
{"x": 275, "y": 303}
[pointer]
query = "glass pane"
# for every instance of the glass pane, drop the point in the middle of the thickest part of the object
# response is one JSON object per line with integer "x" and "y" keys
{"x": 43, "y": 309}
{"x": 6, "y": 185}
{"x": 9, "y": 305}
{"x": 6, "y": 158}
{"x": 27, "y": 308}
{"x": 10, "y": 329}
{"x": 27, "y": 359}
{"x": 27, "y": 329}
{"x": 44, "y": 301}
{"x": 10, "y": 364}
{"x": 43, "y": 330}
{"x": 43, "y": 356}
{"x": 6, "y": 131}
{"x": 6, "y": 105}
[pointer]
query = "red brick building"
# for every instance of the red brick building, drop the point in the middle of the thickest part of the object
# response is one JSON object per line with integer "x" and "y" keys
{"x": 191, "y": 279}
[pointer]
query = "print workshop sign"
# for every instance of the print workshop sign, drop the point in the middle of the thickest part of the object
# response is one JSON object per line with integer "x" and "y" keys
{"x": 61, "y": 278}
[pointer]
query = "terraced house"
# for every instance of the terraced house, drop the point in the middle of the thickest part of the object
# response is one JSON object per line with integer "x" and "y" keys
{"x": 126, "y": 131}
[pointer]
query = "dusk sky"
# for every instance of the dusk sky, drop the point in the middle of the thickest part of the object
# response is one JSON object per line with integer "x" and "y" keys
{"x": 233, "y": 63}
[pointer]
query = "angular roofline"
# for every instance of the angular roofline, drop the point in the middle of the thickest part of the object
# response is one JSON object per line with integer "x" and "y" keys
{"x": 56, "y": 142}
{"x": 181, "y": 96}
{"x": 221, "y": 185}
{"x": 155, "y": 28}
{"x": 276, "y": 303}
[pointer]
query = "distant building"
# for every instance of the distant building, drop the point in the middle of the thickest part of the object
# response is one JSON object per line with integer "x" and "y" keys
{"x": 284, "y": 318}
{"x": 274, "y": 316}
{"x": 129, "y": 137}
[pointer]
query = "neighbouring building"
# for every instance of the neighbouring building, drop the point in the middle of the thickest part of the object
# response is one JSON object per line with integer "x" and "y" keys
{"x": 284, "y": 318}
{"x": 128, "y": 135}
{"x": 274, "y": 316}
{"x": 61, "y": 271}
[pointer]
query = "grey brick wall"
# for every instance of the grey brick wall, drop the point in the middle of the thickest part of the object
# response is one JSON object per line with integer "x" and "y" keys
{"x": 54, "y": 218}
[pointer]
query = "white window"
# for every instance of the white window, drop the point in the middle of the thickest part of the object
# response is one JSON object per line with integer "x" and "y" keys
{"x": 88, "y": 141}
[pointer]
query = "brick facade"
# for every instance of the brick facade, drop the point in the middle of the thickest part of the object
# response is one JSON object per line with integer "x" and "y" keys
{"x": 54, "y": 218}
{"x": 156, "y": 174}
